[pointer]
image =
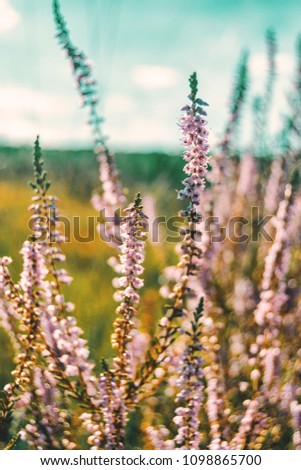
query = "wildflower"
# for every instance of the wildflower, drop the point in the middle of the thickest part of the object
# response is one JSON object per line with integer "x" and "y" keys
{"x": 195, "y": 134}
{"x": 49, "y": 426}
{"x": 191, "y": 386}
{"x": 193, "y": 125}
{"x": 131, "y": 260}
{"x": 157, "y": 437}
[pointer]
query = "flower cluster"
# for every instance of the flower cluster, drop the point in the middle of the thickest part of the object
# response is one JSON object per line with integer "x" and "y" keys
{"x": 26, "y": 299}
{"x": 193, "y": 125}
{"x": 273, "y": 294}
{"x": 191, "y": 387}
{"x": 48, "y": 419}
{"x": 129, "y": 283}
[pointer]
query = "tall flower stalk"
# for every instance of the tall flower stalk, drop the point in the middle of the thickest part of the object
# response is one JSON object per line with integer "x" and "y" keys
{"x": 273, "y": 294}
{"x": 113, "y": 196}
{"x": 266, "y": 352}
{"x": 238, "y": 98}
{"x": 195, "y": 140}
{"x": 290, "y": 136}
{"x": 115, "y": 384}
{"x": 26, "y": 298}
{"x": 191, "y": 386}
{"x": 133, "y": 228}
{"x": 262, "y": 104}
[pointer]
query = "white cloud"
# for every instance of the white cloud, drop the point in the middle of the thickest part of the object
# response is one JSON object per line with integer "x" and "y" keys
{"x": 142, "y": 132}
{"x": 24, "y": 113}
{"x": 9, "y": 17}
{"x": 20, "y": 130}
{"x": 258, "y": 64}
{"x": 16, "y": 100}
{"x": 154, "y": 76}
{"x": 285, "y": 64}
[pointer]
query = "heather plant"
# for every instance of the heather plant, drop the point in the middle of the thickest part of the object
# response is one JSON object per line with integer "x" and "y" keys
{"x": 112, "y": 197}
{"x": 221, "y": 368}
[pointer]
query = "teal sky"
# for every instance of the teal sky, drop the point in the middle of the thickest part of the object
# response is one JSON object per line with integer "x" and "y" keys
{"x": 143, "y": 52}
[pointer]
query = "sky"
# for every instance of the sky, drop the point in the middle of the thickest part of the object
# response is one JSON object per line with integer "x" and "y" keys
{"x": 143, "y": 52}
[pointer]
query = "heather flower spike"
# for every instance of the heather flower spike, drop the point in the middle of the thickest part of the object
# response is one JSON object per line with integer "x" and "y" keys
{"x": 271, "y": 41}
{"x": 26, "y": 298}
{"x": 238, "y": 98}
{"x": 131, "y": 259}
{"x": 262, "y": 104}
{"x": 196, "y": 147}
{"x": 195, "y": 134}
{"x": 290, "y": 136}
{"x": 113, "y": 194}
{"x": 190, "y": 384}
